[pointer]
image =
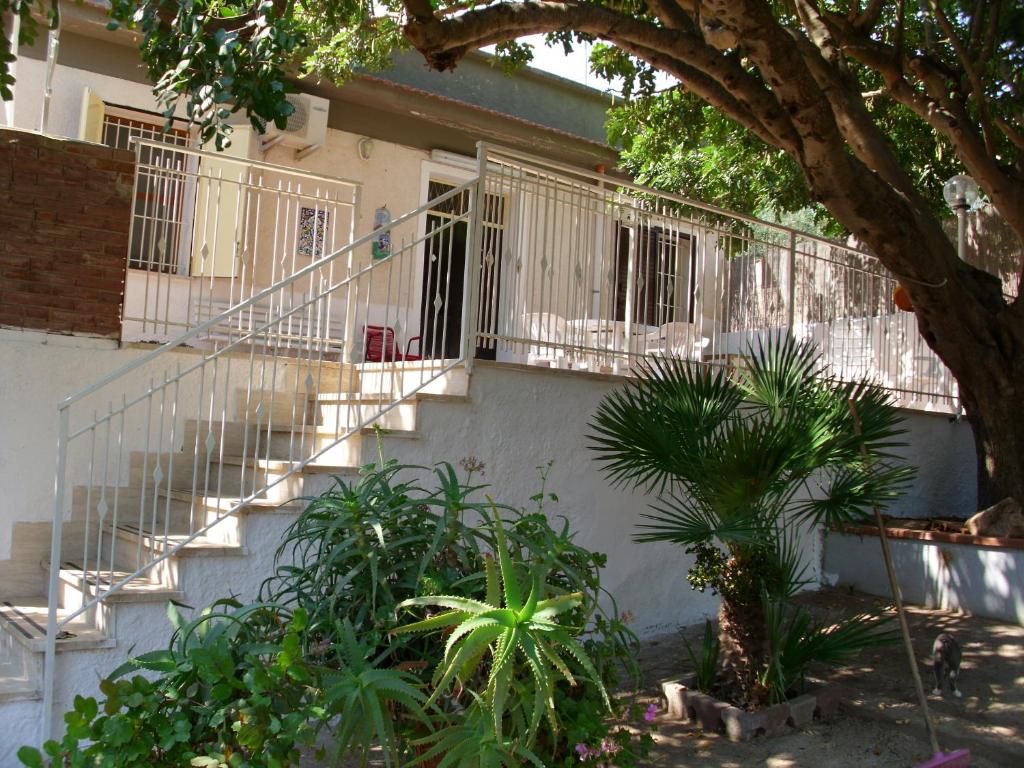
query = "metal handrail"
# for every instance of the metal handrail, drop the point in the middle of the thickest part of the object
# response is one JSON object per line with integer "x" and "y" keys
{"x": 199, "y": 330}
{"x": 569, "y": 173}
{"x": 357, "y": 284}
{"x": 262, "y": 165}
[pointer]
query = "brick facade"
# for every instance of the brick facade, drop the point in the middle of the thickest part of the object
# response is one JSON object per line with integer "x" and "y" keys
{"x": 65, "y": 209}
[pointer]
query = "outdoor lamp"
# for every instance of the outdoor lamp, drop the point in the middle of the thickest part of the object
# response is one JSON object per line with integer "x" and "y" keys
{"x": 960, "y": 193}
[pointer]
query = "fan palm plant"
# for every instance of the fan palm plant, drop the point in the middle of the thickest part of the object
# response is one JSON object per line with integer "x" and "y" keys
{"x": 738, "y": 463}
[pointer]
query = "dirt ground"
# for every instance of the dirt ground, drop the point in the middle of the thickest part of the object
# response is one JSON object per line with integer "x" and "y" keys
{"x": 879, "y": 723}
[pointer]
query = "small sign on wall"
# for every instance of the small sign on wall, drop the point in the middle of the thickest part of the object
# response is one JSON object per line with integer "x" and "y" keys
{"x": 382, "y": 243}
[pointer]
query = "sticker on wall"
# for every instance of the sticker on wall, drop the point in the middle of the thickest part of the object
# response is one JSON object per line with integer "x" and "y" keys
{"x": 382, "y": 243}
{"x": 312, "y": 231}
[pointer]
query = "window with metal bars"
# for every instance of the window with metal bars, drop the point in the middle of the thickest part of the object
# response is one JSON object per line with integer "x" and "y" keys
{"x": 663, "y": 274}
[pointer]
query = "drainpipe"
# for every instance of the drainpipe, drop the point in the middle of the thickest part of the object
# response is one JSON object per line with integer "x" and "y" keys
{"x": 52, "y": 49}
{"x": 14, "y": 34}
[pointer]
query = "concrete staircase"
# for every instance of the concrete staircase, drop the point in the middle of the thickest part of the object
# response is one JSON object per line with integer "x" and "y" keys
{"x": 232, "y": 557}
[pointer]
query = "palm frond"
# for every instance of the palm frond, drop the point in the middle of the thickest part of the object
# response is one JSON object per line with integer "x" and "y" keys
{"x": 778, "y": 372}
{"x": 657, "y": 425}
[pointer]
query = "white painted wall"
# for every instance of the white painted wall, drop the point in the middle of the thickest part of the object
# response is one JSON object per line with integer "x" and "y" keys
{"x": 958, "y": 577}
{"x": 38, "y": 370}
{"x": 514, "y": 420}
{"x": 69, "y": 83}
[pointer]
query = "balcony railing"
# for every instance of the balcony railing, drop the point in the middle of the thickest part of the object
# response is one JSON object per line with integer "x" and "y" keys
{"x": 209, "y": 231}
{"x": 593, "y": 273}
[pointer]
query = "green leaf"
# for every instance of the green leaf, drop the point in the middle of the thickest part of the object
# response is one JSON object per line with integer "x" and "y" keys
{"x": 31, "y": 757}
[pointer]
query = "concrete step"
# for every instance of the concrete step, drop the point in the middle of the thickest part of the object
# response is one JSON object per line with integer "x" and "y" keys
{"x": 343, "y": 411}
{"x": 18, "y": 688}
{"x": 24, "y": 620}
{"x": 78, "y": 585}
{"x": 406, "y": 378}
{"x": 282, "y": 441}
{"x": 154, "y": 543}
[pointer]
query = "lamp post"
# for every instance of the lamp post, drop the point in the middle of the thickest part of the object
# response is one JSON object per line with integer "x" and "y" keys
{"x": 960, "y": 193}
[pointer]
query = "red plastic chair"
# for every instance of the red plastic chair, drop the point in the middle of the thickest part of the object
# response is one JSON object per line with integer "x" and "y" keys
{"x": 381, "y": 347}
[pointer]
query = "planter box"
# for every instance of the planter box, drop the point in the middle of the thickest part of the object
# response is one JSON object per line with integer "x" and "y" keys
{"x": 951, "y": 571}
{"x": 740, "y": 725}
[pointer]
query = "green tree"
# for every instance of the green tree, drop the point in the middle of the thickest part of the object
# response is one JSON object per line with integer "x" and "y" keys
{"x": 821, "y": 82}
{"x": 738, "y": 463}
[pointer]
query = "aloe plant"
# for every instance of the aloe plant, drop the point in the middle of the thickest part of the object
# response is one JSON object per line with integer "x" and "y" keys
{"x": 471, "y": 742}
{"x": 512, "y": 629}
{"x": 362, "y": 695}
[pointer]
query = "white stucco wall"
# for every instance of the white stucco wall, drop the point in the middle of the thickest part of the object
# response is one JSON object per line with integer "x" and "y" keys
{"x": 513, "y": 420}
{"x": 69, "y": 83}
{"x": 942, "y": 449}
{"x": 985, "y": 581}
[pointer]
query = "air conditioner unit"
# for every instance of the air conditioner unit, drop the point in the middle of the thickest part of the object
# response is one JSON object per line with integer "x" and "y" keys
{"x": 306, "y": 129}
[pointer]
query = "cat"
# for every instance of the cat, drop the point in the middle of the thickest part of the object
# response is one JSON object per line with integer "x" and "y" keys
{"x": 946, "y": 658}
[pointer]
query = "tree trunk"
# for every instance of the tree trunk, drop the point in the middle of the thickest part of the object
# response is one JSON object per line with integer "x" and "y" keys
{"x": 742, "y": 637}
{"x": 990, "y": 390}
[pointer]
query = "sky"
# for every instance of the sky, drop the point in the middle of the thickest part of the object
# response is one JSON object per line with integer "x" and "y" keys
{"x": 575, "y": 66}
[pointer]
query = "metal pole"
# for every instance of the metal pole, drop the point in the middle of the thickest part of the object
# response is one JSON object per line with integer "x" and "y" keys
{"x": 55, "y": 552}
{"x": 897, "y": 597}
{"x": 15, "y": 33}
{"x": 53, "y": 48}
{"x": 477, "y": 206}
{"x": 791, "y": 279}
{"x": 961, "y": 229}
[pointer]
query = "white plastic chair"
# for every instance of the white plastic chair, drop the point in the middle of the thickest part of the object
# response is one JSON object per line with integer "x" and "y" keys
{"x": 678, "y": 339}
{"x": 549, "y": 328}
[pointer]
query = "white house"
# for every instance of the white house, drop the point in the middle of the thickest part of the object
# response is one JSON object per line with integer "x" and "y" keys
{"x": 201, "y": 337}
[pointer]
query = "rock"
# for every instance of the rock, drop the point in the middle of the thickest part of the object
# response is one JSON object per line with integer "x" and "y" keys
{"x": 828, "y": 702}
{"x": 775, "y": 719}
{"x": 709, "y": 711}
{"x": 1001, "y": 520}
{"x": 739, "y": 724}
{"x": 801, "y": 710}
{"x": 674, "y": 693}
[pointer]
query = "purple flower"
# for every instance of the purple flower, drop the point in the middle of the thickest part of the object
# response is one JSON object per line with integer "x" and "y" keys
{"x": 651, "y": 713}
{"x": 582, "y": 751}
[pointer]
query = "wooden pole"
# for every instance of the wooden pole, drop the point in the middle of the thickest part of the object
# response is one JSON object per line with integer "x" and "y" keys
{"x": 897, "y": 597}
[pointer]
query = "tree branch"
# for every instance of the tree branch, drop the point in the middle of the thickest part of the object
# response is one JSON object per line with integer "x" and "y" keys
{"x": 944, "y": 111}
{"x": 972, "y": 76}
{"x": 718, "y": 78}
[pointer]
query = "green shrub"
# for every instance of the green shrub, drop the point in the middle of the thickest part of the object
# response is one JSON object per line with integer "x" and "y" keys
{"x": 340, "y": 646}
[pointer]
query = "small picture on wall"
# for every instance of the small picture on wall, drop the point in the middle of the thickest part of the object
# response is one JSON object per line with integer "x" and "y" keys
{"x": 312, "y": 231}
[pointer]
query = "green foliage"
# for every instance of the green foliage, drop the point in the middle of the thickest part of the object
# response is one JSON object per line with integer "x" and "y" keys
{"x": 705, "y": 658}
{"x": 796, "y": 640}
{"x": 339, "y": 641}
{"x": 516, "y": 622}
{"x": 230, "y": 690}
{"x": 364, "y": 697}
{"x": 729, "y": 454}
{"x": 739, "y": 461}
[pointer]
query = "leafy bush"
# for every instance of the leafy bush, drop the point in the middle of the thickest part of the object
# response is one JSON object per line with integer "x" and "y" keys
{"x": 231, "y": 687}
{"x": 342, "y": 645}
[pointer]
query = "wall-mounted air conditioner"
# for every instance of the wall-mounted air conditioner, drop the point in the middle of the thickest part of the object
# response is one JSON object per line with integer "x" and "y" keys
{"x": 306, "y": 129}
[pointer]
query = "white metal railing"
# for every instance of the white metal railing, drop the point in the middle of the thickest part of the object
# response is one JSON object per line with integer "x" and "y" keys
{"x": 594, "y": 273}
{"x": 161, "y": 452}
{"x": 209, "y": 231}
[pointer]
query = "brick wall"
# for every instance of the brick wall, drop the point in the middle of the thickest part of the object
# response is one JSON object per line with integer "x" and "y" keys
{"x": 65, "y": 208}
